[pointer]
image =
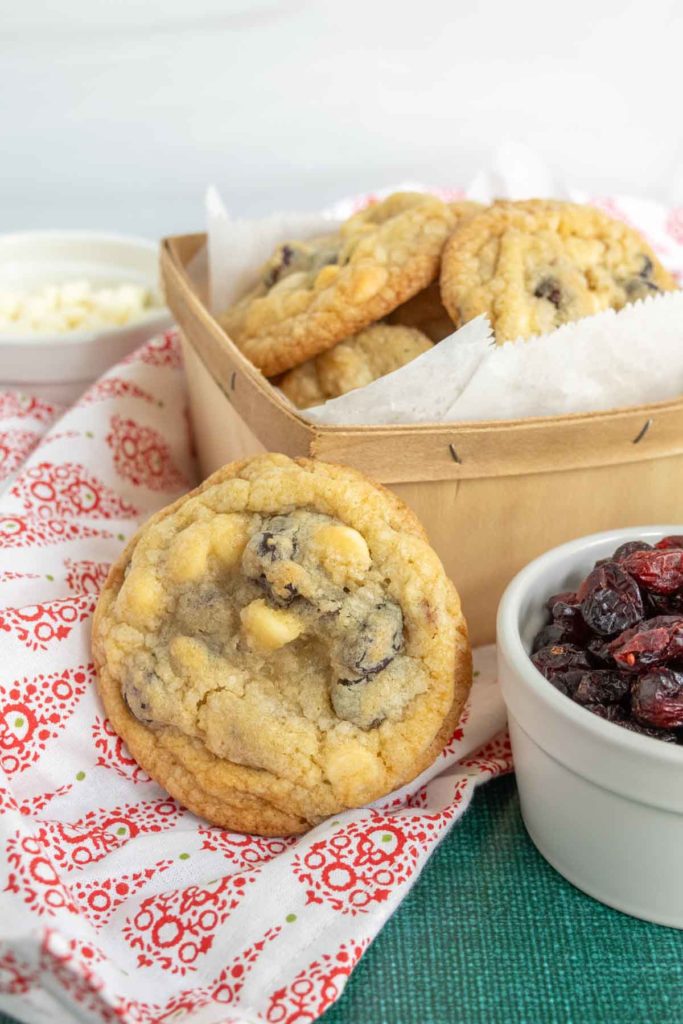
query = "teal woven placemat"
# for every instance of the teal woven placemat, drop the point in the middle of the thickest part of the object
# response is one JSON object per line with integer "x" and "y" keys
{"x": 490, "y": 934}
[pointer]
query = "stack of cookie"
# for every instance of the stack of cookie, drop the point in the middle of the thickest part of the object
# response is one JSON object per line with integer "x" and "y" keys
{"x": 340, "y": 310}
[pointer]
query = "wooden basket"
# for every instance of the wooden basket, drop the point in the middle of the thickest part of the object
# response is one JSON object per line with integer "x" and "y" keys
{"x": 491, "y": 495}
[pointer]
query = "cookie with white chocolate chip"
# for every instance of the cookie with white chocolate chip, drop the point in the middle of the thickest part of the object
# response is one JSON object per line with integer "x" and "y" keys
{"x": 311, "y": 295}
{"x": 281, "y": 644}
{"x": 531, "y": 266}
{"x": 353, "y": 363}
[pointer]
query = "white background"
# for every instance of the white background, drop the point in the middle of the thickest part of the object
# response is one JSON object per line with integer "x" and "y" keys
{"x": 117, "y": 114}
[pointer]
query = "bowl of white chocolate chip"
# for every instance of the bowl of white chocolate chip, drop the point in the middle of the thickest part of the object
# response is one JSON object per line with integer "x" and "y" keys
{"x": 72, "y": 304}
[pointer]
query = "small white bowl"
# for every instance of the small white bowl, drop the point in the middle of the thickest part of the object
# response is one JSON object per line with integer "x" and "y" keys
{"x": 602, "y": 804}
{"x": 59, "y": 367}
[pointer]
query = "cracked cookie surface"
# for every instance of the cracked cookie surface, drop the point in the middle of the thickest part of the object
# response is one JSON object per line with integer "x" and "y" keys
{"x": 281, "y": 644}
{"x": 353, "y": 363}
{"x": 311, "y": 295}
{"x": 534, "y": 265}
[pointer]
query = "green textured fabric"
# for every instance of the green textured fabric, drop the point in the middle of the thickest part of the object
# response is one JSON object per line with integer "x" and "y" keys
{"x": 490, "y": 934}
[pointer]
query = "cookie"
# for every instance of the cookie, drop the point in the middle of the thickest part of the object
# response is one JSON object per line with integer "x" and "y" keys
{"x": 463, "y": 209}
{"x": 281, "y": 644}
{"x": 426, "y": 313}
{"x": 353, "y": 363}
{"x": 311, "y": 295}
{"x": 534, "y": 265}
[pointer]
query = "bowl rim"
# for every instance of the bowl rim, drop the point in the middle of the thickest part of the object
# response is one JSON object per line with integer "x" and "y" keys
{"x": 74, "y": 234}
{"x": 37, "y": 339}
{"x": 509, "y": 641}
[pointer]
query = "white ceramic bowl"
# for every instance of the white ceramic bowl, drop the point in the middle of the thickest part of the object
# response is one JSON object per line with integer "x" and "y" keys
{"x": 59, "y": 367}
{"x": 602, "y": 804}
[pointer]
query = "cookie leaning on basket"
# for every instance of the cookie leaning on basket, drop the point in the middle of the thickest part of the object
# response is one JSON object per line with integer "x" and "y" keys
{"x": 281, "y": 644}
{"x": 532, "y": 266}
{"x": 313, "y": 294}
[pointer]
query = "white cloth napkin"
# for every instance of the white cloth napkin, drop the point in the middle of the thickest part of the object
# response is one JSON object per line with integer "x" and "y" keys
{"x": 116, "y": 904}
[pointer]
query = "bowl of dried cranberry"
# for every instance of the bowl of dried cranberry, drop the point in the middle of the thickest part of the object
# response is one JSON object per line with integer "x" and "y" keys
{"x": 590, "y": 657}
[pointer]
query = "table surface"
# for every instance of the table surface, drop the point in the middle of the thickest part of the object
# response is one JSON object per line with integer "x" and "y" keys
{"x": 491, "y": 934}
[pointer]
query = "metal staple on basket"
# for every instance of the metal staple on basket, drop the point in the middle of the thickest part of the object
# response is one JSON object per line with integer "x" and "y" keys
{"x": 643, "y": 431}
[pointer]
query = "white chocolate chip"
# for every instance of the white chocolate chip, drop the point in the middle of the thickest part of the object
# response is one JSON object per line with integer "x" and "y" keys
{"x": 342, "y": 552}
{"x": 326, "y": 276}
{"x": 189, "y": 655}
{"x": 366, "y": 282}
{"x": 73, "y": 305}
{"x": 353, "y": 771}
{"x": 189, "y": 552}
{"x": 228, "y": 539}
{"x": 269, "y": 628}
{"x": 141, "y": 598}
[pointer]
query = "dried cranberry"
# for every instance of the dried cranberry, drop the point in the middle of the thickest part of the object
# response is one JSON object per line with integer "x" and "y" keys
{"x": 614, "y": 713}
{"x": 674, "y": 540}
{"x": 558, "y": 603}
{"x": 610, "y": 599}
{"x": 598, "y": 648}
{"x": 274, "y": 546}
{"x": 666, "y": 604}
{"x": 553, "y": 633}
{"x": 647, "y": 266}
{"x": 615, "y": 646}
{"x": 566, "y": 682}
{"x": 602, "y": 687}
{"x": 651, "y": 642}
{"x": 666, "y": 735}
{"x": 639, "y": 287}
{"x": 559, "y": 658}
{"x": 659, "y": 571}
{"x": 549, "y": 288}
{"x": 657, "y": 698}
{"x": 610, "y": 712}
{"x": 628, "y": 548}
{"x": 566, "y": 611}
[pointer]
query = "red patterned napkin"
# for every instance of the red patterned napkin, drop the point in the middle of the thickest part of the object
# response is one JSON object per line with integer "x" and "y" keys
{"x": 117, "y": 904}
